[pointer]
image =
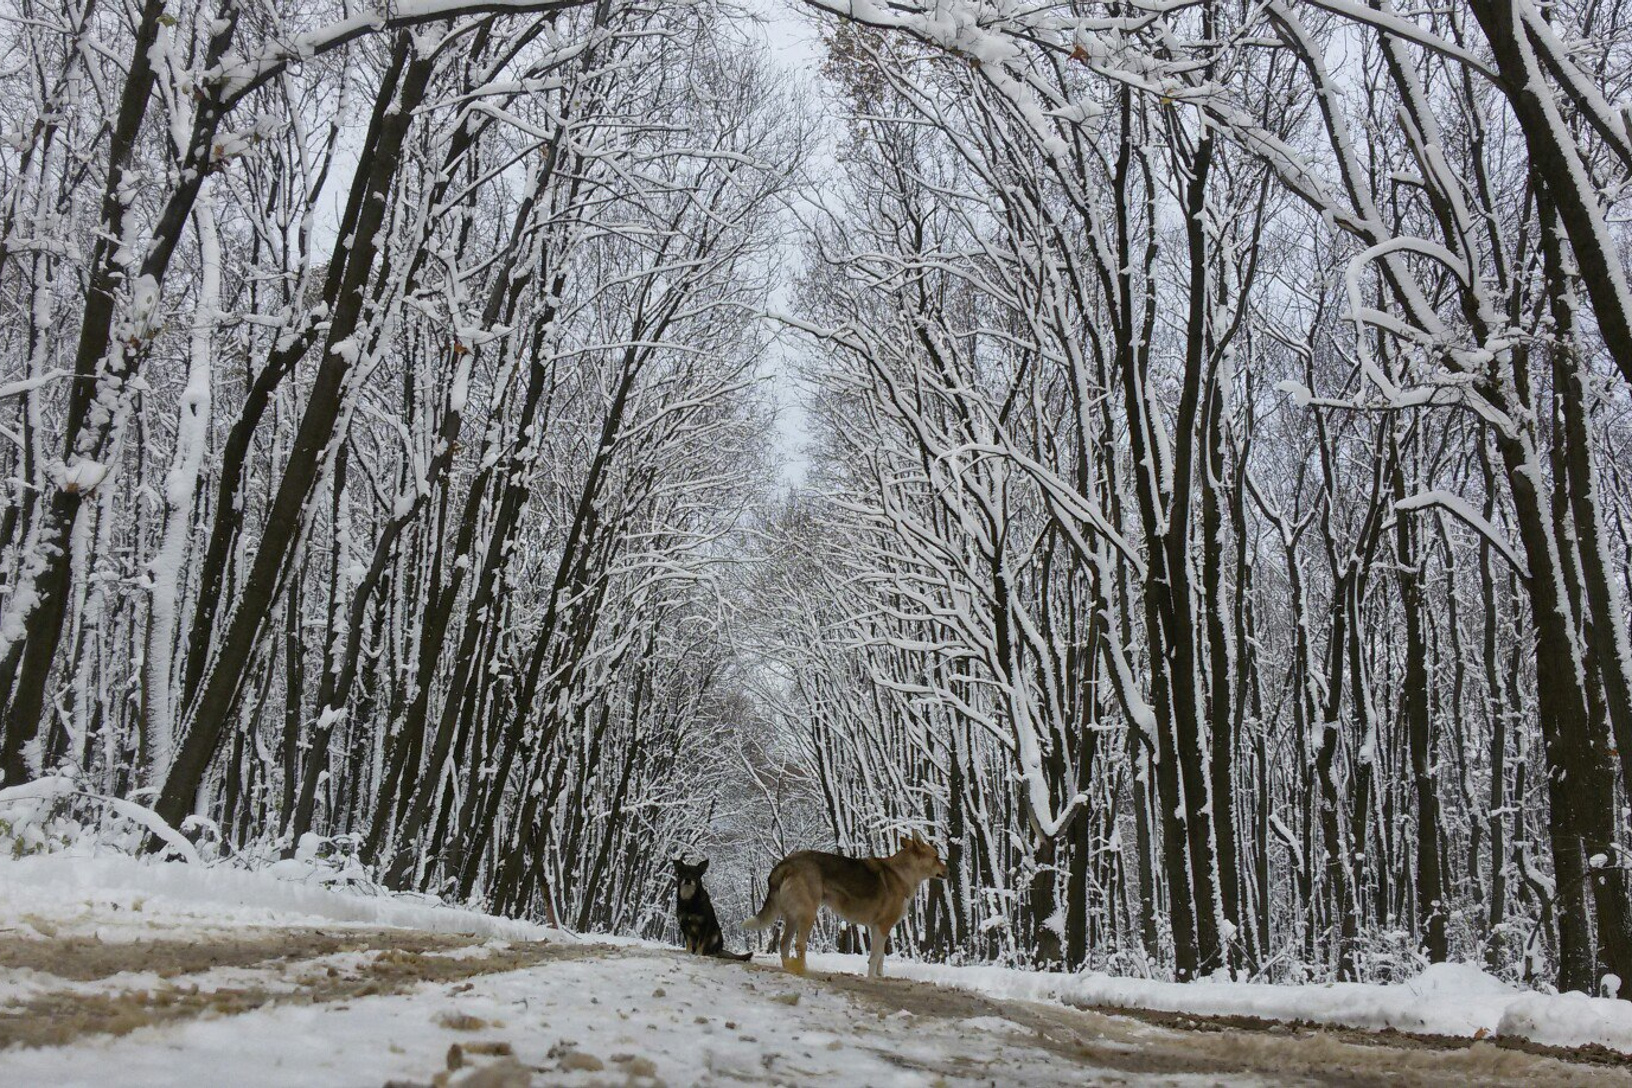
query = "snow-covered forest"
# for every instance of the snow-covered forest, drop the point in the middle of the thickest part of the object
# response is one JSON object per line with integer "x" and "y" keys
{"x": 1212, "y": 527}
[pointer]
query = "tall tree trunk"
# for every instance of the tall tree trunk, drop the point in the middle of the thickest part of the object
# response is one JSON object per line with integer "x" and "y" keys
{"x": 1416, "y": 710}
{"x": 220, "y": 691}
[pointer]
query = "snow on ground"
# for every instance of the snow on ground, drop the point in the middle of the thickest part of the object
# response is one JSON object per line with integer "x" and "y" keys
{"x": 581, "y": 1013}
{"x": 622, "y": 1015}
{"x": 118, "y": 897}
{"x": 288, "y": 981}
{"x": 1451, "y": 999}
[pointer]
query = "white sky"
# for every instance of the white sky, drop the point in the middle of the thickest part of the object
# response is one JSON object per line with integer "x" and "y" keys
{"x": 789, "y": 30}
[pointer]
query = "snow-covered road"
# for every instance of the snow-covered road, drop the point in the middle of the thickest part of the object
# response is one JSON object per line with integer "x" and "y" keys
{"x": 118, "y": 972}
{"x": 358, "y": 1006}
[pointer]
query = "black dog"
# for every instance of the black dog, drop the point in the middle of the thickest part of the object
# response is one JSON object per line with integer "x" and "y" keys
{"x": 698, "y": 924}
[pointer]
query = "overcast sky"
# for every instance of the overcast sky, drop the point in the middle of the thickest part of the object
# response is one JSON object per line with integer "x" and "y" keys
{"x": 788, "y": 29}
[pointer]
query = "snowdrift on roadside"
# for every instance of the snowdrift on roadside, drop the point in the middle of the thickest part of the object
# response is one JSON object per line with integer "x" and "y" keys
{"x": 1453, "y": 999}
{"x": 60, "y": 887}
{"x": 73, "y": 876}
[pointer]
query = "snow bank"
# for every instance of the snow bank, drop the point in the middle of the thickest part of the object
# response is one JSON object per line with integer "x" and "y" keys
{"x": 61, "y": 888}
{"x": 1451, "y": 999}
{"x": 1569, "y": 1020}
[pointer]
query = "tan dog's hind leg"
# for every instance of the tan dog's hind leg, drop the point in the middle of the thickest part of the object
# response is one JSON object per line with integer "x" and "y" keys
{"x": 800, "y": 897}
{"x": 786, "y": 943}
{"x": 803, "y": 937}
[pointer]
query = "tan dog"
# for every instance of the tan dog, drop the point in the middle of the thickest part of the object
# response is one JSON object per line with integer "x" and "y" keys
{"x": 872, "y": 892}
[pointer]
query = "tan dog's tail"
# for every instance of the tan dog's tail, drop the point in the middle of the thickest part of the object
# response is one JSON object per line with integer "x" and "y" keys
{"x": 768, "y": 913}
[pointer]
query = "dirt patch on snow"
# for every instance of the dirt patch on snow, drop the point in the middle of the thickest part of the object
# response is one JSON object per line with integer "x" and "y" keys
{"x": 85, "y": 959}
{"x": 1593, "y": 1055}
{"x": 1231, "y": 1049}
{"x": 392, "y": 962}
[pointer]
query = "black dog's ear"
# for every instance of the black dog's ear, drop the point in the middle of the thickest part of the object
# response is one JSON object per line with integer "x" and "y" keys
{"x": 703, "y": 868}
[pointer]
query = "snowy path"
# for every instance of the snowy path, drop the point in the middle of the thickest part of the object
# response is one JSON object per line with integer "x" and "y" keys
{"x": 119, "y": 972}
{"x": 351, "y": 1006}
